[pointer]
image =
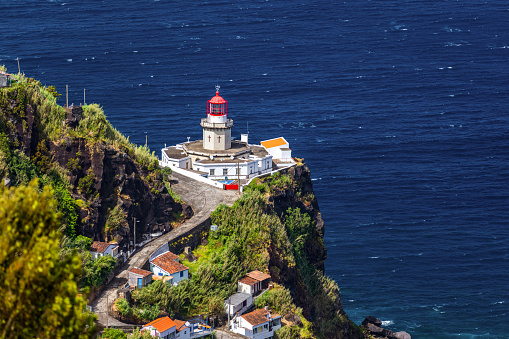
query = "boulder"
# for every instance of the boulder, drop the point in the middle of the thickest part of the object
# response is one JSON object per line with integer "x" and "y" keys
{"x": 372, "y": 320}
{"x": 402, "y": 335}
{"x": 374, "y": 329}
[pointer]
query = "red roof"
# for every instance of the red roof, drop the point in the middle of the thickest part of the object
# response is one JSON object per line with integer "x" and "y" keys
{"x": 162, "y": 324}
{"x": 167, "y": 262}
{"x": 259, "y": 317}
{"x": 248, "y": 281}
{"x": 257, "y": 275}
{"x": 99, "y": 246}
{"x": 180, "y": 325}
{"x": 217, "y": 99}
{"x": 139, "y": 271}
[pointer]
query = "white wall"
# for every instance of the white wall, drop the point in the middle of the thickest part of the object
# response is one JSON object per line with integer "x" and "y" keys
{"x": 194, "y": 176}
{"x": 244, "y": 288}
{"x": 177, "y": 278}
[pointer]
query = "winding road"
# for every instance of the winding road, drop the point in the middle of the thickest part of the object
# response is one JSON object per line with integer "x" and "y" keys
{"x": 203, "y": 199}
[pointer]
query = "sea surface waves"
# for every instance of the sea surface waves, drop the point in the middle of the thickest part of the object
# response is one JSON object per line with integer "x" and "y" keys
{"x": 398, "y": 107}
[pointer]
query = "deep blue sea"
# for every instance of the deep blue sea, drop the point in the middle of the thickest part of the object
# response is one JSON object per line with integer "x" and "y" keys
{"x": 400, "y": 109}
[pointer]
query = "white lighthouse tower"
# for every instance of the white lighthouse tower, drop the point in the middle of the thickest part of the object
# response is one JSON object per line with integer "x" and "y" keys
{"x": 217, "y": 128}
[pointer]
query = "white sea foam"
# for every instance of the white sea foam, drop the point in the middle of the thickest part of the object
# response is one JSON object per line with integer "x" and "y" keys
{"x": 387, "y": 323}
{"x": 69, "y": 60}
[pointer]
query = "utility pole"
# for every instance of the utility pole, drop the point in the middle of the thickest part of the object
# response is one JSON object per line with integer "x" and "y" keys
{"x": 146, "y": 139}
{"x": 134, "y": 233}
{"x": 238, "y": 173}
{"x": 107, "y": 303}
{"x": 229, "y": 307}
{"x": 84, "y": 102}
{"x": 67, "y": 96}
{"x": 19, "y": 69}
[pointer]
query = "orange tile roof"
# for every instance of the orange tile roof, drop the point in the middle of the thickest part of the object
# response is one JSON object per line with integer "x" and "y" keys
{"x": 274, "y": 142}
{"x": 258, "y": 275}
{"x": 168, "y": 256}
{"x": 162, "y": 324}
{"x": 256, "y": 317}
{"x": 180, "y": 325}
{"x": 167, "y": 262}
{"x": 139, "y": 271}
{"x": 248, "y": 281}
{"x": 99, "y": 246}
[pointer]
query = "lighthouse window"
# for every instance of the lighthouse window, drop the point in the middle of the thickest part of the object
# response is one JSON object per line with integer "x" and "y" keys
{"x": 211, "y": 171}
{"x": 225, "y": 171}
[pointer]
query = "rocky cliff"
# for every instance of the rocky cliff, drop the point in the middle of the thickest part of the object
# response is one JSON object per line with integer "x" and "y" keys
{"x": 303, "y": 275}
{"x": 111, "y": 181}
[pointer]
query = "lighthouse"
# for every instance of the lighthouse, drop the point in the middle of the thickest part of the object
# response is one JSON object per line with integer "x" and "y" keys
{"x": 217, "y": 128}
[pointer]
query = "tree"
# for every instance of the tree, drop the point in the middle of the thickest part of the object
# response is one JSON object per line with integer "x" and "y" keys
{"x": 113, "y": 333}
{"x": 38, "y": 289}
{"x": 54, "y": 92}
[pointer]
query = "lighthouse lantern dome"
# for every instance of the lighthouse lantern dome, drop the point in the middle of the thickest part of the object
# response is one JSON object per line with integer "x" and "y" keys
{"x": 217, "y": 106}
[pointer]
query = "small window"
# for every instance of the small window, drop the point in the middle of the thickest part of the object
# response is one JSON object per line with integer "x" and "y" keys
{"x": 225, "y": 171}
{"x": 237, "y": 171}
{"x": 212, "y": 171}
{"x": 181, "y": 274}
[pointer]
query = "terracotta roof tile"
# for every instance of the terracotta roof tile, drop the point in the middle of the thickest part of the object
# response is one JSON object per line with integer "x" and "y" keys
{"x": 167, "y": 262}
{"x": 256, "y": 317}
{"x": 162, "y": 324}
{"x": 258, "y": 275}
{"x": 248, "y": 281}
{"x": 139, "y": 271}
{"x": 180, "y": 325}
{"x": 99, "y": 246}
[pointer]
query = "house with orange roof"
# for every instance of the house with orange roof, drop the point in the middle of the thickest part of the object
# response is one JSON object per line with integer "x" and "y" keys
{"x": 259, "y": 324}
{"x": 100, "y": 249}
{"x": 167, "y": 264}
{"x": 161, "y": 328}
{"x": 280, "y": 150}
{"x": 139, "y": 278}
{"x": 253, "y": 282}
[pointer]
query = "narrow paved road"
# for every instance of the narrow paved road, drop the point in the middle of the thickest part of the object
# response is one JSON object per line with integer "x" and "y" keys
{"x": 203, "y": 199}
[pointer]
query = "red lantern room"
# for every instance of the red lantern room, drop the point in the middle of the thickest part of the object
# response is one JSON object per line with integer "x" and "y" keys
{"x": 217, "y": 107}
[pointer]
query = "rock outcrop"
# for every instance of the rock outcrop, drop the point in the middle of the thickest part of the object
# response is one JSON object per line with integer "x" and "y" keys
{"x": 375, "y": 329}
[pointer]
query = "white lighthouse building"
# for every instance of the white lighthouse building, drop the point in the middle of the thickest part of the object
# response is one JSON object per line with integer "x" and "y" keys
{"x": 218, "y": 157}
{"x": 217, "y": 128}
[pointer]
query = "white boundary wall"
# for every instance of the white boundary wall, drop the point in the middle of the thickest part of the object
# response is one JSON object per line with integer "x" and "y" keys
{"x": 194, "y": 176}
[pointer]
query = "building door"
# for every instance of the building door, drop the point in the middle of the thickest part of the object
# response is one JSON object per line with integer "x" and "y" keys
{"x": 140, "y": 282}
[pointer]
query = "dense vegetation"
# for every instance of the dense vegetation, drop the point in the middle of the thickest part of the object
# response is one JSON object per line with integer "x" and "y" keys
{"x": 32, "y": 128}
{"x": 250, "y": 235}
{"x": 37, "y": 285}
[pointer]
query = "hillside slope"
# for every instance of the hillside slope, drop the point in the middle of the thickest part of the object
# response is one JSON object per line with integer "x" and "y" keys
{"x": 101, "y": 180}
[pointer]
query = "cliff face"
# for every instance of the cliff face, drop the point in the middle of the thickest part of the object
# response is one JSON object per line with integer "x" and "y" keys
{"x": 99, "y": 167}
{"x": 316, "y": 294}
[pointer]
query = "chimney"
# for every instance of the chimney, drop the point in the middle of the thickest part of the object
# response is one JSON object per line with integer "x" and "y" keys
{"x": 244, "y": 137}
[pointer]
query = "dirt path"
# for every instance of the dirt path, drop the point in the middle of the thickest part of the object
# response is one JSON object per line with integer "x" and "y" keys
{"x": 203, "y": 199}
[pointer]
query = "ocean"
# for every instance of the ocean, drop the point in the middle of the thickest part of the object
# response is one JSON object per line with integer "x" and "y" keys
{"x": 398, "y": 107}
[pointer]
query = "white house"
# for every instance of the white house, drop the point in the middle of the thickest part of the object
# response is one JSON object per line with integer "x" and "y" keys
{"x": 254, "y": 282}
{"x": 280, "y": 150}
{"x": 100, "y": 249}
{"x": 259, "y": 324}
{"x": 238, "y": 303}
{"x": 175, "y": 156}
{"x": 191, "y": 329}
{"x": 139, "y": 278}
{"x": 161, "y": 328}
{"x": 168, "y": 264}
